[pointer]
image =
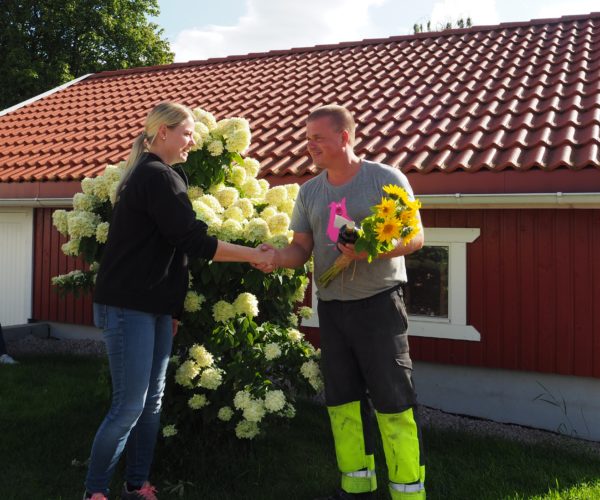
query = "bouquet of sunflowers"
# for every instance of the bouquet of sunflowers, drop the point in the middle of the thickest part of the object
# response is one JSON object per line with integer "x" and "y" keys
{"x": 393, "y": 220}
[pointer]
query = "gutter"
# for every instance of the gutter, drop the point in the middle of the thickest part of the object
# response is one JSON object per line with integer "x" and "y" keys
{"x": 511, "y": 200}
{"x": 45, "y": 94}
{"x": 36, "y": 202}
{"x": 456, "y": 200}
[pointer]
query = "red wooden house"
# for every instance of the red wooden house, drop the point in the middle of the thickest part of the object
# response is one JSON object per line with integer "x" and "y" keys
{"x": 498, "y": 130}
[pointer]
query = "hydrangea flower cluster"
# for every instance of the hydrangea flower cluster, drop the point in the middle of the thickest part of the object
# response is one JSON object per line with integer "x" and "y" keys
{"x": 193, "y": 301}
{"x": 255, "y": 409}
{"x": 246, "y": 304}
{"x": 246, "y": 209}
{"x": 84, "y": 226}
{"x": 169, "y": 431}
{"x": 311, "y": 371}
{"x": 199, "y": 370}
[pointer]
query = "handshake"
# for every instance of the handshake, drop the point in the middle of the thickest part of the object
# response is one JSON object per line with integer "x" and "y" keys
{"x": 266, "y": 258}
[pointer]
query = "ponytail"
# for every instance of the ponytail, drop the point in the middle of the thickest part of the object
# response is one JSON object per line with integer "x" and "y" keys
{"x": 138, "y": 148}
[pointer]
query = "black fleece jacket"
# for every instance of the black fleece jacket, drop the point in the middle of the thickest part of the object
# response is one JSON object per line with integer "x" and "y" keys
{"x": 153, "y": 230}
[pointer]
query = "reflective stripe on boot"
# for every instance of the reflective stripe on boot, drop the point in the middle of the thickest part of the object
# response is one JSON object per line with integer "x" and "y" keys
{"x": 407, "y": 491}
{"x": 357, "y": 468}
{"x": 361, "y": 481}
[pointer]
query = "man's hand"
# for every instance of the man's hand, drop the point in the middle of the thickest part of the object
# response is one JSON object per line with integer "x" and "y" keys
{"x": 175, "y": 326}
{"x": 348, "y": 250}
{"x": 267, "y": 261}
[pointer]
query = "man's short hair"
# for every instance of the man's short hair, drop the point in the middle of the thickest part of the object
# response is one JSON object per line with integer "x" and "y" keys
{"x": 339, "y": 115}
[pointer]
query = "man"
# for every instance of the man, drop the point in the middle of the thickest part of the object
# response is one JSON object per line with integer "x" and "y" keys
{"x": 363, "y": 321}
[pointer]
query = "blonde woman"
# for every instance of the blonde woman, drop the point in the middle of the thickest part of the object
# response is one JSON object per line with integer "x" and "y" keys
{"x": 140, "y": 288}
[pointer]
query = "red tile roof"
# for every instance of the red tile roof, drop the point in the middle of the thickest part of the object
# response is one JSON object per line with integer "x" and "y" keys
{"x": 516, "y": 96}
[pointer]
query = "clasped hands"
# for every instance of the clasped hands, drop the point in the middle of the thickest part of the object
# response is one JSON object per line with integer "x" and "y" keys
{"x": 266, "y": 260}
{"x": 267, "y": 257}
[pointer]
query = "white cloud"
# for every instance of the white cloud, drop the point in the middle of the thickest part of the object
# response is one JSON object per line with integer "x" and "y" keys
{"x": 481, "y": 12}
{"x": 568, "y": 8}
{"x": 270, "y": 25}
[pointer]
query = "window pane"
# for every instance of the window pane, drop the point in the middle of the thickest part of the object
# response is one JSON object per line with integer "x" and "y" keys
{"x": 426, "y": 293}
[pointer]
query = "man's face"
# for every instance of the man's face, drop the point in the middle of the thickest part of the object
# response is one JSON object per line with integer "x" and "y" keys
{"x": 324, "y": 143}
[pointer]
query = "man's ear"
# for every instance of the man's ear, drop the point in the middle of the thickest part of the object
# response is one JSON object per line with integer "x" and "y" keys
{"x": 345, "y": 137}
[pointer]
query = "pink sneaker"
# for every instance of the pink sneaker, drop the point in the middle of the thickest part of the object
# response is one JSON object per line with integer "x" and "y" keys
{"x": 95, "y": 496}
{"x": 146, "y": 492}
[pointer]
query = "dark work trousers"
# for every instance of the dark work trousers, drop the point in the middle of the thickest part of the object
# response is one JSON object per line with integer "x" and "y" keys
{"x": 365, "y": 356}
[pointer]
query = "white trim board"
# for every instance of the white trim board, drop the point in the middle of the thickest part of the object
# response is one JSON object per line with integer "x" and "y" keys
{"x": 36, "y": 202}
{"x": 511, "y": 200}
{"x": 41, "y": 96}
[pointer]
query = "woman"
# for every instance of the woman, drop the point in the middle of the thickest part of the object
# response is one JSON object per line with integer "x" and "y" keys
{"x": 140, "y": 288}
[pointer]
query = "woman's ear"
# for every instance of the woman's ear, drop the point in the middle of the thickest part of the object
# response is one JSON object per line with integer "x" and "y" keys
{"x": 162, "y": 132}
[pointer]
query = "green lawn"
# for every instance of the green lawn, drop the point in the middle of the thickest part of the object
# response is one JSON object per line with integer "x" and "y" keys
{"x": 50, "y": 408}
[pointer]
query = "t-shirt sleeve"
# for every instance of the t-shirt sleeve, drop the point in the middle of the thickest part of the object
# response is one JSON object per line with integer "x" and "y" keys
{"x": 395, "y": 176}
{"x": 168, "y": 204}
{"x": 300, "y": 222}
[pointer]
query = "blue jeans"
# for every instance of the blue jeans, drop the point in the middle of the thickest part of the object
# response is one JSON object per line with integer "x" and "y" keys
{"x": 138, "y": 345}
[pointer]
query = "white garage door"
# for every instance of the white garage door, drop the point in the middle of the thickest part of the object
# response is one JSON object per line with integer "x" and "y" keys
{"x": 16, "y": 248}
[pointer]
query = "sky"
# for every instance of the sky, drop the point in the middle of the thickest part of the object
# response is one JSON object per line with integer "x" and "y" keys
{"x": 201, "y": 29}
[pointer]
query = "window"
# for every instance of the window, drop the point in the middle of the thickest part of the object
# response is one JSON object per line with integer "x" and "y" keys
{"x": 436, "y": 295}
{"x": 426, "y": 293}
{"x": 436, "y": 292}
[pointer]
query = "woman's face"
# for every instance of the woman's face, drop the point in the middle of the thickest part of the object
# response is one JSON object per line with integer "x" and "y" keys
{"x": 177, "y": 142}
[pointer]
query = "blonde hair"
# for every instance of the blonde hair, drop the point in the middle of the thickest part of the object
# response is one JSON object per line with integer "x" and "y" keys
{"x": 340, "y": 116}
{"x": 170, "y": 114}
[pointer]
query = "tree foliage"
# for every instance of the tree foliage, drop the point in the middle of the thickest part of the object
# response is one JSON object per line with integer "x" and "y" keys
{"x": 45, "y": 43}
{"x": 460, "y": 24}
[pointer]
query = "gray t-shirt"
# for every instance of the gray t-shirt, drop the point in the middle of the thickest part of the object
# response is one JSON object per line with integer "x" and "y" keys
{"x": 316, "y": 206}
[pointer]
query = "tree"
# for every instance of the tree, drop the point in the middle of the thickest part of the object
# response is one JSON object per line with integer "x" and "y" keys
{"x": 45, "y": 43}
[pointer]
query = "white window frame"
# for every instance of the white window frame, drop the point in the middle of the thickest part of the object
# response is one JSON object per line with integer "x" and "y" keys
{"x": 455, "y": 325}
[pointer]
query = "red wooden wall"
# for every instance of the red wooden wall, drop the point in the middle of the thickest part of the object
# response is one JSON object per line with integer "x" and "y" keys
{"x": 49, "y": 261}
{"x": 533, "y": 289}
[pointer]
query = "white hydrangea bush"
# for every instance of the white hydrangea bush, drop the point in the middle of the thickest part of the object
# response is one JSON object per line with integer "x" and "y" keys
{"x": 239, "y": 359}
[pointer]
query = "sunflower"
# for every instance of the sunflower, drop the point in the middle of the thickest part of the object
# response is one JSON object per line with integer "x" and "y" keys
{"x": 386, "y": 208}
{"x": 388, "y": 230}
{"x": 408, "y": 218}
{"x": 408, "y": 234}
{"x": 396, "y": 193}
{"x": 413, "y": 205}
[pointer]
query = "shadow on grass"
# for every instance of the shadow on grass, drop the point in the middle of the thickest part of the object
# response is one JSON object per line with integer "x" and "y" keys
{"x": 50, "y": 409}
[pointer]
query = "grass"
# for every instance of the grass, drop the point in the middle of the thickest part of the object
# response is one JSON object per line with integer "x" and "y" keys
{"x": 50, "y": 408}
